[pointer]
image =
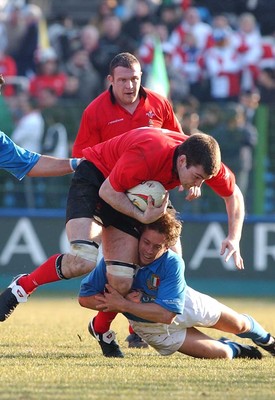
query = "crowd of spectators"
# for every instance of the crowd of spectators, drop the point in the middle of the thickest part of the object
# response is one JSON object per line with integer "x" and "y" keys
{"x": 215, "y": 52}
{"x": 211, "y": 53}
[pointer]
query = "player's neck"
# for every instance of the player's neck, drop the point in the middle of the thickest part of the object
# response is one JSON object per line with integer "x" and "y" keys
{"x": 131, "y": 108}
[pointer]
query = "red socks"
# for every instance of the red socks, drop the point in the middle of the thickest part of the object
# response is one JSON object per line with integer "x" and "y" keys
{"x": 103, "y": 320}
{"x": 45, "y": 273}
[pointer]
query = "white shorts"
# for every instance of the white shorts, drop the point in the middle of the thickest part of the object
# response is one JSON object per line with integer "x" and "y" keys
{"x": 199, "y": 310}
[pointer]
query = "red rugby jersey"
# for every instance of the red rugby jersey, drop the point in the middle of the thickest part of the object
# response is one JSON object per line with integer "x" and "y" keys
{"x": 147, "y": 154}
{"x": 104, "y": 118}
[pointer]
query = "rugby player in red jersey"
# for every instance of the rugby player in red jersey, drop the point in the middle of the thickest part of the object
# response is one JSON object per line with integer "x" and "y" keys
{"x": 97, "y": 193}
{"x": 125, "y": 105}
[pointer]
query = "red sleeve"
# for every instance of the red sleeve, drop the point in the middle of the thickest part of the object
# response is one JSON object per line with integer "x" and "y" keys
{"x": 223, "y": 183}
{"x": 171, "y": 122}
{"x": 88, "y": 134}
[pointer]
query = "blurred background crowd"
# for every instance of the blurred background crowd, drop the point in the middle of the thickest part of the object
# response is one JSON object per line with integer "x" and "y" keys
{"x": 220, "y": 67}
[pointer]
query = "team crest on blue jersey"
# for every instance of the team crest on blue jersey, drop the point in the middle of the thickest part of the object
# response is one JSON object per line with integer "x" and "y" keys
{"x": 153, "y": 282}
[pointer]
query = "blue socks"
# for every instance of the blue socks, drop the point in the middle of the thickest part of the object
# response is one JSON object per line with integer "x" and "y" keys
{"x": 233, "y": 346}
{"x": 257, "y": 333}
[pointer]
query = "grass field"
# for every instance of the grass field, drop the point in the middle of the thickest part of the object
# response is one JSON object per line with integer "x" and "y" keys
{"x": 47, "y": 353}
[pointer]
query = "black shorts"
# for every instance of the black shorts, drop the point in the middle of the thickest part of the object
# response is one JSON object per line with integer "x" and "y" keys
{"x": 84, "y": 202}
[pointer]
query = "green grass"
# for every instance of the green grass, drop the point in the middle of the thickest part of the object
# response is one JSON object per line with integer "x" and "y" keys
{"x": 47, "y": 353}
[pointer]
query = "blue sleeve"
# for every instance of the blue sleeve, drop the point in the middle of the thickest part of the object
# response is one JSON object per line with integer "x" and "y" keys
{"x": 14, "y": 159}
{"x": 95, "y": 282}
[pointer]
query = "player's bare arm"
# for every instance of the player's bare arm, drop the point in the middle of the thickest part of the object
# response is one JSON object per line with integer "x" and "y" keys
{"x": 51, "y": 166}
{"x": 235, "y": 212}
{"x": 113, "y": 301}
{"x": 120, "y": 202}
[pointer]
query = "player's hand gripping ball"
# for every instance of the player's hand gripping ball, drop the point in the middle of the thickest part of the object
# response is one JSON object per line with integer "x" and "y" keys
{"x": 139, "y": 194}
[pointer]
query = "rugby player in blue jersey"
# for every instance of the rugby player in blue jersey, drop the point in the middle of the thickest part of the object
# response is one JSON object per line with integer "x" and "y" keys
{"x": 163, "y": 310}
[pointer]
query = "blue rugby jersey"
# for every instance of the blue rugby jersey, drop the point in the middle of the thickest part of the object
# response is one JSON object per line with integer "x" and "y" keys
{"x": 14, "y": 159}
{"x": 161, "y": 282}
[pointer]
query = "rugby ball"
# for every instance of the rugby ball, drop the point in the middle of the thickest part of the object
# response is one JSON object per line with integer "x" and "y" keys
{"x": 139, "y": 194}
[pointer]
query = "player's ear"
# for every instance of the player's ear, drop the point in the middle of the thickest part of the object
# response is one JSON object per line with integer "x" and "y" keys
{"x": 182, "y": 160}
{"x": 110, "y": 78}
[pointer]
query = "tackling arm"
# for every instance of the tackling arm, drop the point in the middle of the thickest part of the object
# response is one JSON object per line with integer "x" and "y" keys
{"x": 51, "y": 166}
{"x": 113, "y": 301}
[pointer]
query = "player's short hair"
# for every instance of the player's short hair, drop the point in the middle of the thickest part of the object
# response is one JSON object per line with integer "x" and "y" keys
{"x": 168, "y": 224}
{"x": 125, "y": 60}
{"x": 202, "y": 149}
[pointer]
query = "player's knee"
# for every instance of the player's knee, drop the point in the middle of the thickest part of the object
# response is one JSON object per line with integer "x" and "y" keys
{"x": 120, "y": 275}
{"x": 86, "y": 249}
{"x": 83, "y": 302}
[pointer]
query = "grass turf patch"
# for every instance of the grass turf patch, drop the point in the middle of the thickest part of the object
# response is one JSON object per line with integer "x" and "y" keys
{"x": 47, "y": 353}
